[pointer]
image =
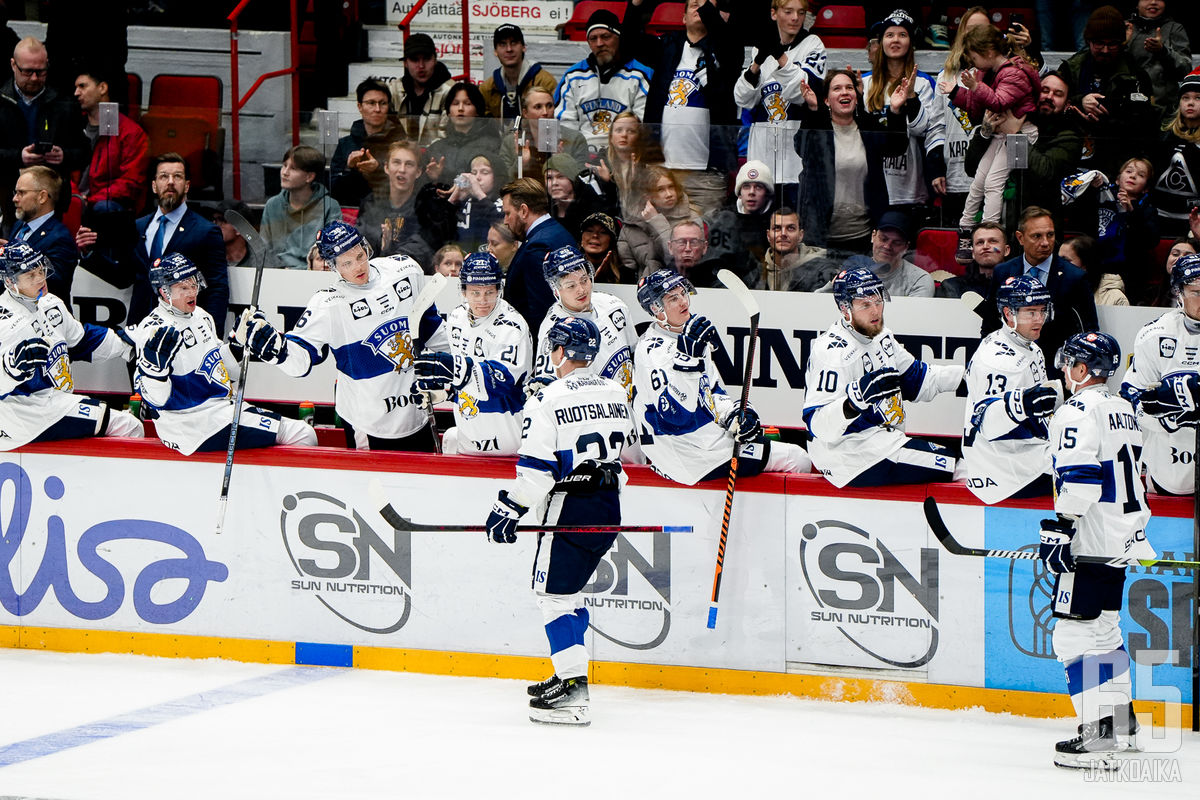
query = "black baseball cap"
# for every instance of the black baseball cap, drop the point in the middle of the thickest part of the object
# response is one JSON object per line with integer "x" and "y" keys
{"x": 418, "y": 45}
{"x": 896, "y": 221}
{"x": 507, "y": 31}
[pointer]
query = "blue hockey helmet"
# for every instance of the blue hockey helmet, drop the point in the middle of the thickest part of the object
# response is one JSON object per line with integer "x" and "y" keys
{"x": 1185, "y": 271}
{"x": 18, "y": 257}
{"x": 172, "y": 268}
{"x": 481, "y": 269}
{"x": 578, "y": 337}
{"x": 657, "y": 285}
{"x": 562, "y": 262}
{"x": 336, "y": 238}
{"x": 1022, "y": 291}
{"x": 1099, "y": 351}
{"x": 854, "y": 283}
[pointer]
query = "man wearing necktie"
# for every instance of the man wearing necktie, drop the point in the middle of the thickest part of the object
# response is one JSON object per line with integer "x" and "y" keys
{"x": 1074, "y": 306}
{"x": 38, "y": 225}
{"x": 171, "y": 228}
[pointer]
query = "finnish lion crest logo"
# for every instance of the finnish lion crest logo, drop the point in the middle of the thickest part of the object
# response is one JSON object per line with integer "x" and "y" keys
{"x": 392, "y": 341}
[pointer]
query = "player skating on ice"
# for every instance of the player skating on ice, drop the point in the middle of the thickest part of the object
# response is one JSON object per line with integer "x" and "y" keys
{"x": 484, "y": 374}
{"x": 857, "y": 380}
{"x": 687, "y": 424}
{"x": 569, "y": 472}
{"x": 185, "y": 374}
{"x": 365, "y": 322}
{"x": 1101, "y": 510}
{"x": 38, "y": 339}
{"x": 1005, "y": 449}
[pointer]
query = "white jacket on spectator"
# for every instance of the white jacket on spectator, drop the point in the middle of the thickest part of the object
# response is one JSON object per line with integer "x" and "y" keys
{"x": 589, "y": 105}
{"x": 905, "y": 175}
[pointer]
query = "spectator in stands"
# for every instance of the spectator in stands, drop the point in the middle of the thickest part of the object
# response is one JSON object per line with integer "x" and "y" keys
{"x": 41, "y": 228}
{"x": 1108, "y": 288}
{"x": 843, "y": 190}
{"x": 691, "y": 94}
{"x": 958, "y": 125}
{"x": 1112, "y": 94}
{"x": 538, "y": 104}
{"x": 594, "y": 91}
{"x": 171, "y": 228}
{"x": 573, "y": 195}
{"x": 476, "y": 195}
{"x": 237, "y": 252}
{"x": 989, "y": 247}
{"x": 787, "y": 58}
{"x": 889, "y": 244}
{"x": 790, "y": 265}
{"x": 527, "y": 214}
{"x": 502, "y": 243}
{"x": 1068, "y": 286}
{"x": 1179, "y": 248}
{"x": 910, "y": 176}
{"x": 292, "y": 218}
{"x": 645, "y": 239}
{"x": 502, "y": 92}
{"x": 469, "y": 133}
{"x": 420, "y": 96}
{"x": 356, "y": 167}
{"x": 37, "y": 126}
{"x": 1160, "y": 46}
{"x": 392, "y": 225}
{"x": 1178, "y": 156}
{"x": 598, "y": 237}
{"x": 115, "y": 180}
{"x": 689, "y": 254}
{"x": 1127, "y": 231}
{"x": 448, "y": 260}
{"x": 630, "y": 148}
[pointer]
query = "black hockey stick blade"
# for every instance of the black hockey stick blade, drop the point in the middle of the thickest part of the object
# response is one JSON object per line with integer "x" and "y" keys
{"x": 934, "y": 517}
{"x": 401, "y": 523}
{"x": 254, "y": 240}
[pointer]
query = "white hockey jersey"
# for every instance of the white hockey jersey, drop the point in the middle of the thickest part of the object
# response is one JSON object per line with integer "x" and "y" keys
{"x": 1096, "y": 446}
{"x": 487, "y": 410}
{"x": 582, "y": 417}
{"x": 28, "y": 408}
{"x": 844, "y": 448}
{"x": 678, "y": 401}
{"x": 1002, "y": 455}
{"x": 372, "y": 339}
{"x": 1166, "y": 346}
{"x": 586, "y": 104}
{"x": 957, "y": 130}
{"x": 905, "y": 174}
{"x": 617, "y": 339}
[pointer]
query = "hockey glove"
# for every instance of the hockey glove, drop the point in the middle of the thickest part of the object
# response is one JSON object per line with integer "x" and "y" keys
{"x": 23, "y": 361}
{"x": 697, "y": 334}
{"x": 1036, "y": 401}
{"x": 534, "y": 386}
{"x": 1055, "y": 549}
{"x": 263, "y": 341}
{"x": 502, "y": 522}
{"x": 159, "y": 351}
{"x": 868, "y": 390}
{"x": 445, "y": 372}
{"x": 1177, "y": 397}
{"x": 743, "y": 424}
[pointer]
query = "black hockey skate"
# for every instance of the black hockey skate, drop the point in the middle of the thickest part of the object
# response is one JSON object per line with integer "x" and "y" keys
{"x": 1098, "y": 745}
{"x": 564, "y": 704}
{"x": 541, "y": 687}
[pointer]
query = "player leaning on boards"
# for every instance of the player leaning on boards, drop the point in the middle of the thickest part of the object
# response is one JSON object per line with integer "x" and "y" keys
{"x": 569, "y": 472}
{"x": 857, "y": 380}
{"x": 687, "y": 423}
{"x": 484, "y": 374}
{"x": 38, "y": 339}
{"x": 1101, "y": 510}
{"x": 1005, "y": 449}
{"x": 185, "y": 374}
{"x": 365, "y": 321}
{"x": 1163, "y": 384}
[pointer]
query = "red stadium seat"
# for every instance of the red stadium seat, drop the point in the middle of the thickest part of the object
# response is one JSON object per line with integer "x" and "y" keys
{"x": 187, "y": 95}
{"x": 841, "y": 26}
{"x": 666, "y": 17}
{"x": 575, "y": 28}
{"x": 350, "y": 215}
{"x": 189, "y": 136}
{"x": 133, "y": 95}
{"x": 935, "y": 250}
{"x": 1161, "y": 251}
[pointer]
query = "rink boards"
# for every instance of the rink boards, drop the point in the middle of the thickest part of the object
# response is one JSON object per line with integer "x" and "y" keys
{"x": 110, "y": 546}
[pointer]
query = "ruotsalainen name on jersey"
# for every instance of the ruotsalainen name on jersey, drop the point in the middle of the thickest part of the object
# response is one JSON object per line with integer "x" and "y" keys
{"x": 586, "y": 411}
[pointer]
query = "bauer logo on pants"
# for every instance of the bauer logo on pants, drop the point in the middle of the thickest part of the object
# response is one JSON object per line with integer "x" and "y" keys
{"x": 629, "y": 596}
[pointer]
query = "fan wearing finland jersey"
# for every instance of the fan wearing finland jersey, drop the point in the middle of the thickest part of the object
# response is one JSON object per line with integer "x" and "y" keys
{"x": 185, "y": 374}
{"x": 365, "y": 321}
{"x": 484, "y": 374}
{"x": 38, "y": 339}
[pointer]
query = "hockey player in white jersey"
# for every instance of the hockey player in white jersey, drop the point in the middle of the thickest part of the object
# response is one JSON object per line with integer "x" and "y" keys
{"x": 1100, "y": 510}
{"x": 1005, "y": 449}
{"x": 484, "y": 374}
{"x": 569, "y": 472}
{"x": 1163, "y": 383}
{"x": 857, "y": 380}
{"x": 364, "y": 321}
{"x": 185, "y": 374}
{"x": 687, "y": 424}
{"x": 38, "y": 339}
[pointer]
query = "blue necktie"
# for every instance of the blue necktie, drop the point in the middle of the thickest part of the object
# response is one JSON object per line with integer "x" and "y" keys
{"x": 21, "y": 231}
{"x": 156, "y": 247}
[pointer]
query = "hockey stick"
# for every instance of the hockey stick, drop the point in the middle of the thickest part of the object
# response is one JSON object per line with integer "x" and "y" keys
{"x": 424, "y": 300}
{"x": 739, "y": 291}
{"x": 258, "y": 249}
{"x": 934, "y": 517}
{"x": 393, "y": 517}
{"x": 973, "y": 301}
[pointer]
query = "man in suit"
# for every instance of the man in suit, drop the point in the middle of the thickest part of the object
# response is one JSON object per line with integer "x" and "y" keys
{"x": 38, "y": 226}
{"x": 526, "y": 209}
{"x": 172, "y": 228}
{"x": 1074, "y": 307}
